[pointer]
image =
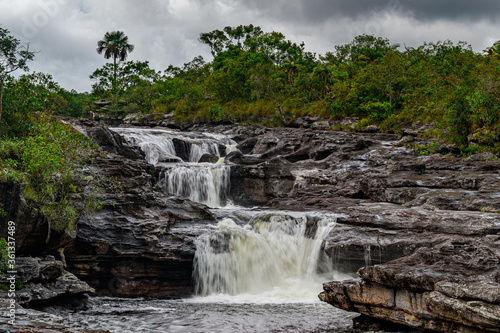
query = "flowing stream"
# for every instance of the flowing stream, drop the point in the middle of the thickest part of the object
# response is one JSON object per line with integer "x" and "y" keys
{"x": 254, "y": 271}
{"x": 178, "y": 155}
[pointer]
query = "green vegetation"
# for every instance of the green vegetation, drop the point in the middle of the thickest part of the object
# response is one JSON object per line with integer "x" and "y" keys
{"x": 46, "y": 160}
{"x": 4, "y": 255}
{"x": 428, "y": 149}
{"x": 37, "y": 149}
{"x": 261, "y": 77}
{"x": 13, "y": 56}
{"x": 115, "y": 44}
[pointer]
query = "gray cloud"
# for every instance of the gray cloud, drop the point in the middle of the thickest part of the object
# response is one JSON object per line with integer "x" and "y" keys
{"x": 166, "y": 32}
{"x": 424, "y": 10}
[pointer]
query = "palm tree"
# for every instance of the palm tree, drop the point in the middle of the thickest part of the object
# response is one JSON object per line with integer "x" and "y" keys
{"x": 115, "y": 44}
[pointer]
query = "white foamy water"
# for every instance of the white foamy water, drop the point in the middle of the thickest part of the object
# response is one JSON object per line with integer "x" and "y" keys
{"x": 156, "y": 145}
{"x": 272, "y": 259}
{"x": 207, "y": 183}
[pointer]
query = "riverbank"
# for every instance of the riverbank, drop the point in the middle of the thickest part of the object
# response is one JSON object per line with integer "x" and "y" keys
{"x": 390, "y": 201}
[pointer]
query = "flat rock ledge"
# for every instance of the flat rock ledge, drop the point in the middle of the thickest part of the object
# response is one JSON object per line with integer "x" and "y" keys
{"x": 43, "y": 282}
{"x": 453, "y": 287}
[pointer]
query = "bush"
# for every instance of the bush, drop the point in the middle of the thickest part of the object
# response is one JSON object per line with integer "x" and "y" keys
{"x": 217, "y": 113}
{"x": 46, "y": 161}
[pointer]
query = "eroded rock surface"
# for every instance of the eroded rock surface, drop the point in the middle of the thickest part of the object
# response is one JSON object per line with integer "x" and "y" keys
{"x": 453, "y": 287}
{"x": 42, "y": 281}
{"x": 141, "y": 241}
{"x": 433, "y": 218}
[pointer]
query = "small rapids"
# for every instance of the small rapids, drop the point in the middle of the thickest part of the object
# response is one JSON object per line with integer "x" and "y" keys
{"x": 178, "y": 156}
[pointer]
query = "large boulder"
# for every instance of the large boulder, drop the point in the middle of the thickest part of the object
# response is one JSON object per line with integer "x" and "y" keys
{"x": 43, "y": 281}
{"x": 453, "y": 287}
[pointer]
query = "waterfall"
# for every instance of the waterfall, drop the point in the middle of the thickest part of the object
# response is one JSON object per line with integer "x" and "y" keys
{"x": 177, "y": 154}
{"x": 205, "y": 183}
{"x": 272, "y": 253}
{"x": 156, "y": 148}
{"x": 197, "y": 151}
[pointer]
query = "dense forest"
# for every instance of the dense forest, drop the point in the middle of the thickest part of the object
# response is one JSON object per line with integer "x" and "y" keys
{"x": 255, "y": 77}
{"x": 261, "y": 77}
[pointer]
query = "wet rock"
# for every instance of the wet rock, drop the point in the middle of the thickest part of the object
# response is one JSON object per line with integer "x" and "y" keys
{"x": 44, "y": 280}
{"x": 485, "y": 156}
{"x": 450, "y": 287}
{"x": 31, "y": 320}
{"x": 208, "y": 158}
{"x": 404, "y": 141}
{"x": 371, "y": 129}
{"x": 304, "y": 122}
{"x": 261, "y": 182}
{"x": 321, "y": 125}
{"x": 141, "y": 242}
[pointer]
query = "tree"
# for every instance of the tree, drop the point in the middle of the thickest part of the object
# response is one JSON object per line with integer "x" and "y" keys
{"x": 13, "y": 56}
{"x": 26, "y": 96}
{"x": 364, "y": 48}
{"x": 115, "y": 44}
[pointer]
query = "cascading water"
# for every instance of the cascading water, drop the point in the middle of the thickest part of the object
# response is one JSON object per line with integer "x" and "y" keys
{"x": 156, "y": 147}
{"x": 206, "y": 183}
{"x": 272, "y": 256}
{"x": 261, "y": 273}
{"x": 181, "y": 173}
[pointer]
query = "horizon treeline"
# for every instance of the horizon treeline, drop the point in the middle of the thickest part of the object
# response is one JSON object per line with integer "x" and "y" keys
{"x": 261, "y": 77}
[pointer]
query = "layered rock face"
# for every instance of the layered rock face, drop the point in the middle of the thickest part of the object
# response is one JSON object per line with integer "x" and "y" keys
{"x": 437, "y": 214}
{"x": 33, "y": 233}
{"x": 43, "y": 282}
{"x": 141, "y": 241}
{"x": 427, "y": 223}
{"x": 453, "y": 287}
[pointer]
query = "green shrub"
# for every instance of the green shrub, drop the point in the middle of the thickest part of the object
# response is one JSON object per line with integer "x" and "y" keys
{"x": 377, "y": 111}
{"x": 429, "y": 149}
{"x": 217, "y": 113}
{"x": 10, "y": 149}
{"x": 45, "y": 161}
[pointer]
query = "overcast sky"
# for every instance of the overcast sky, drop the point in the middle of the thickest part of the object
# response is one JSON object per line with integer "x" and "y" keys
{"x": 165, "y": 32}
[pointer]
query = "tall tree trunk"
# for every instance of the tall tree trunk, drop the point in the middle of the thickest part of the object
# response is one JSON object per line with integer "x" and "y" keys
{"x": 114, "y": 73}
{"x": 115, "y": 90}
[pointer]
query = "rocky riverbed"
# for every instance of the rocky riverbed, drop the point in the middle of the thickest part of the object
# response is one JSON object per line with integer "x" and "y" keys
{"x": 422, "y": 231}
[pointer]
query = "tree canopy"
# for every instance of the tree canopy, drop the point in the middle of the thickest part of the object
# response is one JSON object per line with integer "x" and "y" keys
{"x": 13, "y": 56}
{"x": 115, "y": 45}
{"x": 259, "y": 76}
